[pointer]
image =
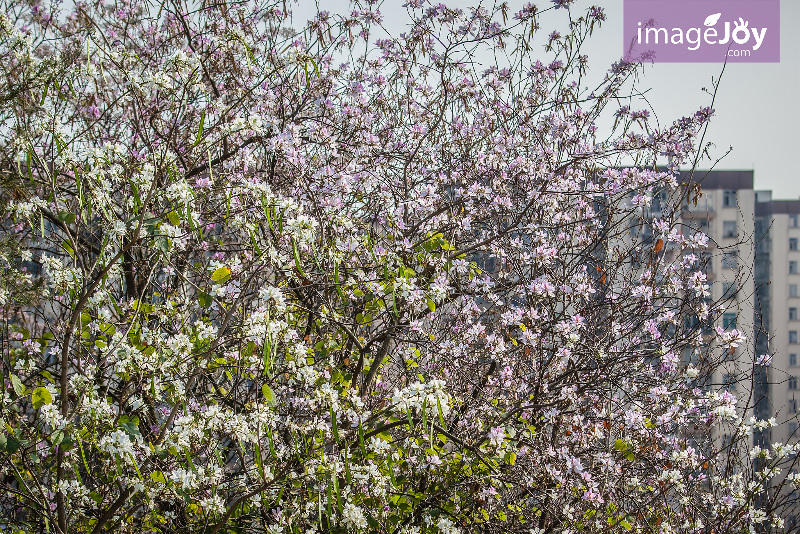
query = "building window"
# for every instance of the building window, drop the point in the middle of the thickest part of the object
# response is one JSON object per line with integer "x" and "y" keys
{"x": 793, "y": 360}
{"x": 659, "y": 201}
{"x": 729, "y": 382}
{"x": 792, "y": 290}
{"x": 729, "y": 290}
{"x": 792, "y": 405}
{"x": 792, "y": 243}
{"x": 793, "y": 220}
{"x": 792, "y": 428}
{"x": 729, "y": 260}
{"x": 792, "y": 382}
{"x": 728, "y": 321}
{"x": 729, "y": 229}
{"x": 792, "y": 267}
{"x": 792, "y": 314}
{"x": 692, "y": 322}
{"x": 700, "y": 227}
{"x": 729, "y": 198}
{"x": 793, "y": 336}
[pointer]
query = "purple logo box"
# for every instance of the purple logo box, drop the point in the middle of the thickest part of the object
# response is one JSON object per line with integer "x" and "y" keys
{"x": 702, "y": 31}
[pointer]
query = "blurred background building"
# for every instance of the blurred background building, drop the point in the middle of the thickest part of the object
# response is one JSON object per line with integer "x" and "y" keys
{"x": 753, "y": 268}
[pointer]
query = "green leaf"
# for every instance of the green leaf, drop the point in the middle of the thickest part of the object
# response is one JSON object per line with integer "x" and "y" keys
{"x": 19, "y": 387}
{"x": 66, "y": 217}
{"x": 200, "y": 129}
{"x": 268, "y": 214}
{"x": 267, "y": 355}
{"x": 107, "y": 328}
{"x": 336, "y": 492}
{"x": 29, "y": 161}
{"x": 296, "y": 254}
{"x": 8, "y": 444}
{"x": 271, "y": 444}
{"x": 205, "y": 300}
{"x": 431, "y": 305}
{"x": 335, "y": 426}
{"x": 336, "y": 280}
{"x": 131, "y": 427}
{"x": 620, "y": 445}
{"x": 68, "y": 248}
{"x": 162, "y": 243}
{"x": 269, "y": 395}
{"x": 40, "y": 397}
{"x": 174, "y": 219}
{"x": 330, "y": 500}
{"x": 158, "y": 476}
{"x": 255, "y": 243}
{"x": 221, "y": 275}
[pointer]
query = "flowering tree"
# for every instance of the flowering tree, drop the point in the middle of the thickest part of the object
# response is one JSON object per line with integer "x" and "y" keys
{"x": 334, "y": 280}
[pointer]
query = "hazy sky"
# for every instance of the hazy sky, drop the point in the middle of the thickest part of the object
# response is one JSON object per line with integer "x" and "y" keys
{"x": 757, "y": 110}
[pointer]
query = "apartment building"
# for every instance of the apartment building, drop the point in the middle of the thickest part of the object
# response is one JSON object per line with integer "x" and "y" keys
{"x": 752, "y": 265}
{"x": 777, "y": 305}
{"x": 778, "y": 300}
{"x": 724, "y": 209}
{"x": 753, "y": 269}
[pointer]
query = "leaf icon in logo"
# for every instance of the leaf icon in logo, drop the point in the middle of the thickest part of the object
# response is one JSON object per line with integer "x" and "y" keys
{"x": 712, "y": 19}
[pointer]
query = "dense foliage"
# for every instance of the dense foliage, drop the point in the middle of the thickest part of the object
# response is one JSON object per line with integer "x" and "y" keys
{"x": 330, "y": 280}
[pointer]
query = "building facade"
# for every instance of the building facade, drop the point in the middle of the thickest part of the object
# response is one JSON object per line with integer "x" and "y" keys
{"x": 721, "y": 204}
{"x": 778, "y": 297}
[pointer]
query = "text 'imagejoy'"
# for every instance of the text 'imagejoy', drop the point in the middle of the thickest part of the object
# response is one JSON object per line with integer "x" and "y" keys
{"x": 702, "y": 31}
